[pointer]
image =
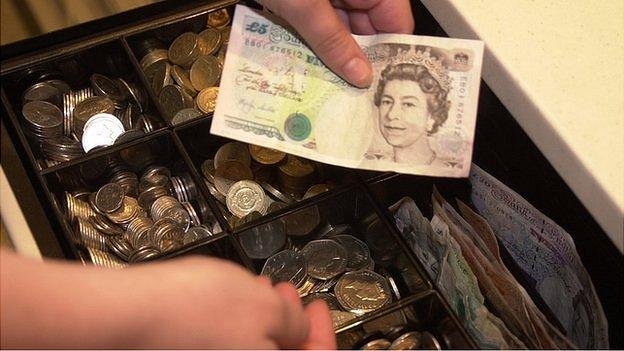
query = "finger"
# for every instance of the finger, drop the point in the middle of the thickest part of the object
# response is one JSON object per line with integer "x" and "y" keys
{"x": 291, "y": 324}
{"x": 289, "y": 292}
{"x": 317, "y": 22}
{"x": 360, "y": 23}
{"x": 321, "y": 336}
{"x": 387, "y": 16}
{"x": 264, "y": 281}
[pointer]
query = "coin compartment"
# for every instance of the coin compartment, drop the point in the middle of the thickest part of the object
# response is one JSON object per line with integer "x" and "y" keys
{"x": 75, "y": 68}
{"x": 201, "y": 146}
{"x": 422, "y": 312}
{"x": 349, "y": 211}
{"x": 162, "y": 36}
{"x": 90, "y": 175}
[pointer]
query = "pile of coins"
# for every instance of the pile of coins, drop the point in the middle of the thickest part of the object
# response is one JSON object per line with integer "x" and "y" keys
{"x": 131, "y": 218}
{"x": 250, "y": 181}
{"x": 337, "y": 267}
{"x": 185, "y": 77}
{"x": 407, "y": 340}
{"x": 68, "y": 123}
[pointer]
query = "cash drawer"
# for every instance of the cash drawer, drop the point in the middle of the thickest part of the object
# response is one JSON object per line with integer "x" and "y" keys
{"x": 52, "y": 192}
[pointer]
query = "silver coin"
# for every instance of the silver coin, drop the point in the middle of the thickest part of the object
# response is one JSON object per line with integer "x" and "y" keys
{"x": 276, "y": 193}
{"x": 329, "y": 299}
{"x": 186, "y": 114}
{"x": 407, "y": 341}
{"x": 129, "y": 135}
{"x": 302, "y": 222}
{"x": 179, "y": 215}
{"x": 362, "y": 291}
{"x": 208, "y": 170}
{"x": 340, "y": 318}
{"x": 101, "y": 130}
{"x": 377, "y": 344}
{"x": 109, "y": 198}
{"x": 245, "y": 197}
{"x": 326, "y": 258}
{"x": 358, "y": 255}
{"x": 264, "y": 240}
{"x": 42, "y": 114}
{"x": 88, "y": 108}
{"x": 286, "y": 266}
{"x": 43, "y": 91}
{"x": 195, "y": 234}
{"x": 233, "y": 151}
{"x": 105, "y": 86}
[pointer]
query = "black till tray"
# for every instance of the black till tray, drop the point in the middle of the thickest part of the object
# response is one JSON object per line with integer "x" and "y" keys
{"x": 501, "y": 148}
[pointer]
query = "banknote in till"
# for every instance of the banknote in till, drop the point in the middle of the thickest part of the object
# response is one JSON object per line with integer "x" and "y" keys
{"x": 418, "y": 116}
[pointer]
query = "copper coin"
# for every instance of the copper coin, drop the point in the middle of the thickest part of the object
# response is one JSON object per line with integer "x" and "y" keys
{"x": 205, "y": 72}
{"x": 184, "y": 49}
{"x": 218, "y": 18}
{"x": 209, "y": 41}
{"x": 266, "y": 155}
{"x": 207, "y": 99}
{"x": 230, "y": 172}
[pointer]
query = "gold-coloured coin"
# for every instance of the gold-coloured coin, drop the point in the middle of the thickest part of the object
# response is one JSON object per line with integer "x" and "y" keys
{"x": 205, "y": 72}
{"x": 181, "y": 77}
{"x": 297, "y": 167}
{"x": 266, "y": 155}
{"x": 219, "y": 18}
{"x": 209, "y": 41}
{"x": 207, "y": 99}
{"x": 128, "y": 211}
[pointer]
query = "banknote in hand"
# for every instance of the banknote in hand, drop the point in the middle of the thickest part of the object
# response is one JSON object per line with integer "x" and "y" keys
{"x": 418, "y": 117}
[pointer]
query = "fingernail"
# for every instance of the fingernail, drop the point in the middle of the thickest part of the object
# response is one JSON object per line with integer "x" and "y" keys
{"x": 358, "y": 72}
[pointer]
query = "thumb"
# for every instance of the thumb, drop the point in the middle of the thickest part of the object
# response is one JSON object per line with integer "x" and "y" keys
{"x": 317, "y": 22}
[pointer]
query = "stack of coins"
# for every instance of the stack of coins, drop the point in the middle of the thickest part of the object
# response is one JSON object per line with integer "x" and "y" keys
{"x": 407, "y": 340}
{"x": 56, "y": 117}
{"x": 247, "y": 179}
{"x": 337, "y": 267}
{"x": 133, "y": 218}
{"x": 185, "y": 77}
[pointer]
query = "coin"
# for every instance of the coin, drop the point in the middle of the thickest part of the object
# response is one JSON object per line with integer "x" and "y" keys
{"x": 218, "y": 18}
{"x": 205, "y": 72}
{"x": 358, "y": 255}
{"x": 88, "y": 108}
{"x": 340, "y": 318}
{"x": 276, "y": 193}
{"x": 184, "y": 115}
{"x": 302, "y": 222}
{"x": 105, "y": 86}
{"x": 207, "y": 99}
{"x": 326, "y": 258}
{"x": 208, "y": 170}
{"x": 233, "y": 151}
{"x": 377, "y": 344}
{"x": 266, "y": 155}
{"x": 286, "y": 266}
{"x": 161, "y": 77}
{"x": 429, "y": 342}
{"x": 148, "y": 196}
{"x": 129, "y": 135}
{"x": 230, "y": 172}
{"x": 173, "y": 99}
{"x": 151, "y": 62}
{"x": 126, "y": 213}
{"x": 101, "y": 130}
{"x": 244, "y": 197}
{"x": 132, "y": 92}
{"x": 263, "y": 241}
{"x": 182, "y": 79}
{"x": 179, "y": 215}
{"x": 42, "y": 91}
{"x": 209, "y": 41}
{"x": 329, "y": 299}
{"x": 317, "y": 190}
{"x": 195, "y": 234}
{"x": 225, "y": 35}
{"x": 184, "y": 50}
{"x": 407, "y": 341}
{"x": 42, "y": 115}
{"x": 362, "y": 291}
{"x": 109, "y": 198}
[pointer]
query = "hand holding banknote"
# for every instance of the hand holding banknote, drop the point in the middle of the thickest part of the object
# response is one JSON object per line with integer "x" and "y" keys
{"x": 327, "y": 27}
